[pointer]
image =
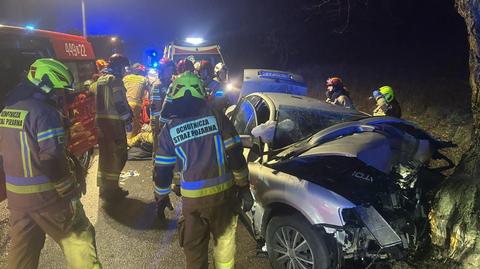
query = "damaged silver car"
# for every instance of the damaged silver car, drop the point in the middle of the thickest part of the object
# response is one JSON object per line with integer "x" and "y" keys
{"x": 334, "y": 186}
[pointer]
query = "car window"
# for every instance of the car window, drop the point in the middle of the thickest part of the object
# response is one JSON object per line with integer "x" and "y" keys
{"x": 245, "y": 120}
{"x": 297, "y": 123}
{"x": 262, "y": 111}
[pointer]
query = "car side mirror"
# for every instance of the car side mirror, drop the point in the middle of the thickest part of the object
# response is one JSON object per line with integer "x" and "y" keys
{"x": 247, "y": 141}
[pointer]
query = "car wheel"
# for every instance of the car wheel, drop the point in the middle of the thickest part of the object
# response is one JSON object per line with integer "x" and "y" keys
{"x": 292, "y": 243}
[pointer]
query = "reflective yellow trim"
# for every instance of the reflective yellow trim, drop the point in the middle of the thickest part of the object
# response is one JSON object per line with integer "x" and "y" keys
{"x": 218, "y": 149}
{"x": 207, "y": 191}
{"x": 29, "y": 158}
{"x": 29, "y": 189}
{"x": 229, "y": 143}
{"x": 108, "y": 176}
{"x": 24, "y": 163}
{"x": 64, "y": 185}
{"x": 241, "y": 177}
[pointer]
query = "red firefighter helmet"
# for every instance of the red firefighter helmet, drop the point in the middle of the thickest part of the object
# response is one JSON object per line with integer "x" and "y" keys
{"x": 334, "y": 81}
{"x": 101, "y": 64}
{"x": 138, "y": 69}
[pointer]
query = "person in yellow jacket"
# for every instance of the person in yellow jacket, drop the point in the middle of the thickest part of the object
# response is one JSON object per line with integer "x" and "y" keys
{"x": 213, "y": 173}
{"x": 43, "y": 194}
{"x": 144, "y": 137}
{"x": 112, "y": 115}
{"x": 136, "y": 85}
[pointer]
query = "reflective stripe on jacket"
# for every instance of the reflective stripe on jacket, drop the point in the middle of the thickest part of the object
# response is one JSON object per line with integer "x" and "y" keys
{"x": 111, "y": 100}
{"x": 209, "y": 153}
{"x": 32, "y": 149}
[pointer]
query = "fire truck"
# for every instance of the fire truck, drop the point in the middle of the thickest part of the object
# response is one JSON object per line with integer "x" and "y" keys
{"x": 19, "y": 48}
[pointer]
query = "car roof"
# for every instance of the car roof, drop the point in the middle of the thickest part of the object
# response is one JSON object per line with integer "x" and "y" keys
{"x": 283, "y": 99}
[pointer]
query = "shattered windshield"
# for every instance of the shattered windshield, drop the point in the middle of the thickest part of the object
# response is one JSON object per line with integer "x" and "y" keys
{"x": 296, "y": 123}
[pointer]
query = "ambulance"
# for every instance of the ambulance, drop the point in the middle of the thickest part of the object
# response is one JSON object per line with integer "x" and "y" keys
{"x": 176, "y": 51}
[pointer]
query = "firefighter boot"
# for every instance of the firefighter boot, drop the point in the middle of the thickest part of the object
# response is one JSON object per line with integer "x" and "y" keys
{"x": 112, "y": 192}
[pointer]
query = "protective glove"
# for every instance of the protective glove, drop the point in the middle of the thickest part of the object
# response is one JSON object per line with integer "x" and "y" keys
{"x": 376, "y": 94}
{"x": 162, "y": 203}
{"x": 176, "y": 183}
{"x": 246, "y": 197}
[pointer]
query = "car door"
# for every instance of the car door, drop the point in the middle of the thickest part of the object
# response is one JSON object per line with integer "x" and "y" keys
{"x": 250, "y": 112}
{"x": 244, "y": 119}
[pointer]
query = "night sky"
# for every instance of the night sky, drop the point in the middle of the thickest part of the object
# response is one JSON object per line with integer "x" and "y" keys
{"x": 259, "y": 33}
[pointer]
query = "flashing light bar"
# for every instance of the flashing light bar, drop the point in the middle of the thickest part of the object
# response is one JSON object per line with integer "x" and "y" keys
{"x": 194, "y": 40}
{"x": 275, "y": 75}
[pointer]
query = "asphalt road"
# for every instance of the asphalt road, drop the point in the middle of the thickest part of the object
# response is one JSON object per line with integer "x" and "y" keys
{"x": 128, "y": 234}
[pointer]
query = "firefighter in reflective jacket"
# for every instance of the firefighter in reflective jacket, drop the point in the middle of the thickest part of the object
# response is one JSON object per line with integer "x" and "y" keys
{"x": 113, "y": 112}
{"x": 43, "y": 195}
{"x": 214, "y": 174}
{"x": 136, "y": 85}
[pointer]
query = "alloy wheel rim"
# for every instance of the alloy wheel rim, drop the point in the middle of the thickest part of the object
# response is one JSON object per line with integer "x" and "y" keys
{"x": 291, "y": 250}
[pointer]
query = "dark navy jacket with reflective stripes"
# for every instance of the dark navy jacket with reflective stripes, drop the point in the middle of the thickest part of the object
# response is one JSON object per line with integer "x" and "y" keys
{"x": 32, "y": 148}
{"x": 210, "y": 157}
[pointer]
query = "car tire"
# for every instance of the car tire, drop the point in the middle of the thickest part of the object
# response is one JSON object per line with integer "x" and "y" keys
{"x": 293, "y": 243}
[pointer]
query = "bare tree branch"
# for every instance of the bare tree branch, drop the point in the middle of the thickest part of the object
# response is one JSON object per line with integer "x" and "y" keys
{"x": 322, "y": 3}
{"x": 347, "y": 21}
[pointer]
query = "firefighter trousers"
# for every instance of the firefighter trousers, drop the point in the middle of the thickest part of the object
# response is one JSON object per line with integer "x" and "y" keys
{"x": 195, "y": 227}
{"x": 65, "y": 223}
{"x": 113, "y": 154}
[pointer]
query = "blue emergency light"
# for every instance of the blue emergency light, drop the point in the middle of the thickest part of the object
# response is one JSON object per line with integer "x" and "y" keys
{"x": 151, "y": 58}
{"x": 275, "y": 75}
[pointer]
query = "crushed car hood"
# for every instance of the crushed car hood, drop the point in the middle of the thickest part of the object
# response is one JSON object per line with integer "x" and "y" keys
{"x": 380, "y": 142}
{"x": 370, "y": 147}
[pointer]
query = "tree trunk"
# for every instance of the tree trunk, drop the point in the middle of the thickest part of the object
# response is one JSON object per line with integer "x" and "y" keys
{"x": 455, "y": 217}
